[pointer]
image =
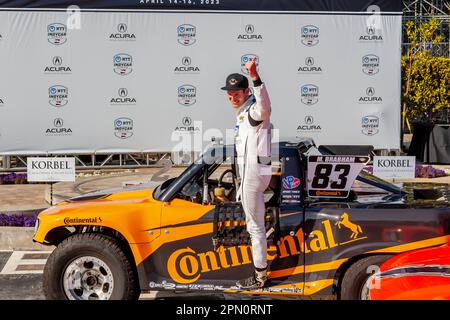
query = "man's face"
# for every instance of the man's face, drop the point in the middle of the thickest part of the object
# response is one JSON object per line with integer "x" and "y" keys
{"x": 237, "y": 97}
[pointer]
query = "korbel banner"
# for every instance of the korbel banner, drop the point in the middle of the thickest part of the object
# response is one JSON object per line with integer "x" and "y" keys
{"x": 145, "y": 76}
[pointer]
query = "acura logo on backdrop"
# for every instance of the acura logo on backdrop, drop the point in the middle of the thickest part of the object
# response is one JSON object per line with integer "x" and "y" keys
{"x": 370, "y": 125}
{"x": 58, "y": 129}
{"x": 123, "y": 99}
{"x": 309, "y": 125}
{"x": 370, "y": 97}
{"x": 246, "y": 58}
{"x": 123, "y": 128}
{"x": 309, "y": 67}
{"x": 309, "y": 94}
{"x": 123, "y": 92}
{"x": 123, "y": 64}
{"x": 187, "y": 126}
{"x": 187, "y": 121}
{"x": 122, "y": 28}
{"x": 187, "y": 95}
{"x": 186, "y": 67}
{"x": 249, "y": 34}
{"x": 372, "y": 34}
{"x": 57, "y": 33}
{"x": 370, "y": 64}
{"x": 58, "y": 95}
{"x": 186, "y": 61}
{"x": 57, "y": 67}
{"x": 310, "y": 35}
{"x": 186, "y": 34}
{"x": 58, "y": 122}
{"x": 57, "y": 61}
{"x": 122, "y": 33}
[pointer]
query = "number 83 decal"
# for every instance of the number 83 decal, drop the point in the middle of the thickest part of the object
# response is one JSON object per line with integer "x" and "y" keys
{"x": 333, "y": 176}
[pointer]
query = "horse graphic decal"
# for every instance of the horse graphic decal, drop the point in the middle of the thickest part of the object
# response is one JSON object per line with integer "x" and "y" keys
{"x": 355, "y": 229}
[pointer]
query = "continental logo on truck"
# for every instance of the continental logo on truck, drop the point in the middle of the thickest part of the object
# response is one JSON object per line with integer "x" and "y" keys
{"x": 186, "y": 265}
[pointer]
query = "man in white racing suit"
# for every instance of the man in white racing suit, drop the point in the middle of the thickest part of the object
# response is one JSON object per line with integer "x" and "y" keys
{"x": 252, "y": 140}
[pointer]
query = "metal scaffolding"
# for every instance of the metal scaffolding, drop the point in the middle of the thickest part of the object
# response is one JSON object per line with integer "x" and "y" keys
{"x": 423, "y": 10}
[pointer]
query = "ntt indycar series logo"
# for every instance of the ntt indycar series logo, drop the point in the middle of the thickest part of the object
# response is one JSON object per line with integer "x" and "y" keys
{"x": 123, "y": 64}
{"x": 58, "y": 96}
{"x": 310, "y": 35}
{"x": 123, "y": 128}
{"x": 57, "y": 33}
{"x": 370, "y": 125}
{"x": 187, "y": 95}
{"x": 57, "y": 67}
{"x": 309, "y": 94}
{"x": 186, "y": 34}
{"x": 121, "y": 34}
{"x": 250, "y": 34}
{"x": 123, "y": 98}
{"x": 370, "y": 64}
{"x": 246, "y": 58}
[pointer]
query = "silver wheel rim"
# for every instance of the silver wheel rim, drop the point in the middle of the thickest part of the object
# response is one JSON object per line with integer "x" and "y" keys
{"x": 365, "y": 289}
{"x": 88, "y": 278}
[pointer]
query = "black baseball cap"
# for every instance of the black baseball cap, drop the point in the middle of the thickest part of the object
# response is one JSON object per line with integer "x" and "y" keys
{"x": 236, "y": 81}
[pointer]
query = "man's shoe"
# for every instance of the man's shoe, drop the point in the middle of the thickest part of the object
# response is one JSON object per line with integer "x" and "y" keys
{"x": 253, "y": 282}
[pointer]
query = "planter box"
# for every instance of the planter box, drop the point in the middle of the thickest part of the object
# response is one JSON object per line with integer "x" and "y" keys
{"x": 20, "y": 239}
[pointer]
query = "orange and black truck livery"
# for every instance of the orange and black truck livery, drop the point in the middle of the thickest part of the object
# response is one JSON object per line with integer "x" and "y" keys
{"x": 188, "y": 233}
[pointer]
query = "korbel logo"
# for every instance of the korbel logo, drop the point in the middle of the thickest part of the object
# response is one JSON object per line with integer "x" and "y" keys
{"x": 309, "y": 94}
{"x": 123, "y": 64}
{"x": 58, "y": 129}
{"x": 58, "y": 96}
{"x": 57, "y": 33}
{"x": 123, "y": 128}
{"x": 370, "y": 64}
{"x": 123, "y": 99}
{"x": 250, "y": 35}
{"x": 186, "y": 67}
{"x": 370, "y": 125}
{"x": 122, "y": 34}
{"x": 246, "y": 58}
{"x": 310, "y": 35}
{"x": 187, "y": 95}
{"x": 57, "y": 67}
{"x": 370, "y": 97}
{"x": 186, "y": 34}
{"x": 310, "y": 67}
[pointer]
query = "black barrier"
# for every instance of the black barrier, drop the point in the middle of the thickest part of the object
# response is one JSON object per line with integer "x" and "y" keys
{"x": 253, "y": 5}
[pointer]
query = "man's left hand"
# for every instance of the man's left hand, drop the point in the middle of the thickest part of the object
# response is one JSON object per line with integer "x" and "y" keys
{"x": 251, "y": 69}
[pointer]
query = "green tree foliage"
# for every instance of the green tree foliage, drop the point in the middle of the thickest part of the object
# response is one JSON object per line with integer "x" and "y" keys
{"x": 425, "y": 78}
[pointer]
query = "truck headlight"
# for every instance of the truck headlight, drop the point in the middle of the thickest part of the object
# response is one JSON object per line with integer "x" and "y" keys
{"x": 36, "y": 227}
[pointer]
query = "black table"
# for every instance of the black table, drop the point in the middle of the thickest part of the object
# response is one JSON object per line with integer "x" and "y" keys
{"x": 431, "y": 143}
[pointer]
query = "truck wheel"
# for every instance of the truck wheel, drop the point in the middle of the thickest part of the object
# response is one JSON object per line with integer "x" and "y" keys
{"x": 89, "y": 267}
{"x": 353, "y": 284}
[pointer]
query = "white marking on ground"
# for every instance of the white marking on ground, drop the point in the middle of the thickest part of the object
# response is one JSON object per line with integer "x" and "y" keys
{"x": 16, "y": 260}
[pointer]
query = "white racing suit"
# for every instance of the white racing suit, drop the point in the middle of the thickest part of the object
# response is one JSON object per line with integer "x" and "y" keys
{"x": 253, "y": 147}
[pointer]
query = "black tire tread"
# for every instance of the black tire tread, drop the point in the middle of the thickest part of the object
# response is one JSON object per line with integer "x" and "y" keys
{"x": 89, "y": 239}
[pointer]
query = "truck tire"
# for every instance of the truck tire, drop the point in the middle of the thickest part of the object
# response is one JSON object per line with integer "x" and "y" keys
{"x": 90, "y": 266}
{"x": 354, "y": 279}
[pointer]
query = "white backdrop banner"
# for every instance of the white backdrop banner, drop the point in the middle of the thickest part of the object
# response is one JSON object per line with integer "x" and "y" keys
{"x": 148, "y": 79}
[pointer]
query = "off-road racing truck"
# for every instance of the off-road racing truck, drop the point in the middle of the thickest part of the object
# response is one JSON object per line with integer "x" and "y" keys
{"x": 329, "y": 225}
